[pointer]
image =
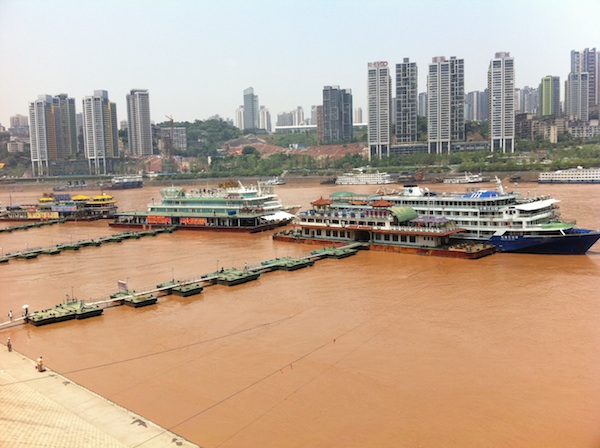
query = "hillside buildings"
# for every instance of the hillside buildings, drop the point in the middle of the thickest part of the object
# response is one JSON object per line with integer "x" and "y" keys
{"x": 445, "y": 103}
{"x": 379, "y": 99}
{"x": 139, "y": 126}
{"x": 501, "y": 91}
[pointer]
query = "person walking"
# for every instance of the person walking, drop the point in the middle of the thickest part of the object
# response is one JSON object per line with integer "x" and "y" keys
{"x": 9, "y": 345}
{"x": 10, "y": 315}
{"x": 40, "y": 364}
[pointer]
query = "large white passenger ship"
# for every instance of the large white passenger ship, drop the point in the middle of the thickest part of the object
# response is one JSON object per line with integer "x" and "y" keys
{"x": 577, "y": 175}
{"x": 235, "y": 209}
{"x": 363, "y": 178}
{"x": 511, "y": 222}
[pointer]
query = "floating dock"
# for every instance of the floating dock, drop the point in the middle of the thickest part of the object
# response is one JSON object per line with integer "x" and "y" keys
{"x": 30, "y": 253}
{"x": 79, "y": 309}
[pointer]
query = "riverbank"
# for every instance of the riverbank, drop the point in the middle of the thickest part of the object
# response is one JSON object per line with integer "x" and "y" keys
{"x": 48, "y": 184}
{"x": 48, "y": 410}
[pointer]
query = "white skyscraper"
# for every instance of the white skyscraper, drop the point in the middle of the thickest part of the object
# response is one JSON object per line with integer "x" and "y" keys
{"x": 445, "y": 103}
{"x": 379, "y": 100}
{"x": 577, "y": 96}
{"x": 139, "y": 127}
{"x": 40, "y": 112}
{"x": 100, "y": 138}
{"x": 501, "y": 91}
{"x": 264, "y": 119}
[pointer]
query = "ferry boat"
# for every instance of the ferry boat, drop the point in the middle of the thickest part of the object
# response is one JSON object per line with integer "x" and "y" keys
{"x": 124, "y": 182}
{"x": 511, "y": 222}
{"x": 467, "y": 178}
{"x": 72, "y": 185}
{"x": 364, "y": 178}
{"x": 63, "y": 206}
{"x": 381, "y": 225}
{"x": 577, "y": 175}
{"x": 235, "y": 209}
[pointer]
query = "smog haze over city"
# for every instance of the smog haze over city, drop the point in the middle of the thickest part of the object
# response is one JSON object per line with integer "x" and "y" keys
{"x": 196, "y": 57}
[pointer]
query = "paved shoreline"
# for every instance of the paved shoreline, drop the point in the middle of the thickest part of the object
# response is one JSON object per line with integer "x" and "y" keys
{"x": 48, "y": 410}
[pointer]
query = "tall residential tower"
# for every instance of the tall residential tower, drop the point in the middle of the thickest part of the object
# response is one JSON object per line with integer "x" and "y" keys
{"x": 100, "y": 137}
{"x": 251, "y": 119}
{"x": 406, "y": 102}
{"x": 501, "y": 91}
{"x": 549, "y": 96}
{"x": 445, "y": 103}
{"x": 139, "y": 126}
{"x": 379, "y": 99}
{"x": 337, "y": 114}
{"x": 53, "y": 131}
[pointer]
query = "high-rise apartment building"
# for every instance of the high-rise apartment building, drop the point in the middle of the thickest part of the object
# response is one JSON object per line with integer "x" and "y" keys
{"x": 588, "y": 61}
{"x": 64, "y": 112}
{"x": 100, "y": 133}
{"x": 264, "y": 119}
{"x": 549, "y": 96}
{"x": 19, "y": 125}
{"x": 55, "y": 133}
{"x": 337, "y": 114}
{"x": 139, "y": 125}
{"x": 239, "y": 117}
{"x": 577, "y": 96}
{"x": 475, "y": 107}
{"x": 422, "y": 104}
{"x": 41, "y": 134}
{"x": 379, "y": 100}
{"x": 445, "y": 103}
{"x": 501, "y": 91}
{"x": 406, "y": 101}
{"x": 357, "y": 117}
{"x": 528, "y": 100}
{"x": 250, "y": 110}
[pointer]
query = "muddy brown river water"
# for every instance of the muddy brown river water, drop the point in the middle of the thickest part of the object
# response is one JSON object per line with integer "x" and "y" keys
{"x": 376, "y": 350}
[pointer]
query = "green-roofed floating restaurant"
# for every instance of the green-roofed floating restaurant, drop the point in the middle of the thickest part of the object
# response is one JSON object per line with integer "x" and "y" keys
{"x": 345, "y": 218}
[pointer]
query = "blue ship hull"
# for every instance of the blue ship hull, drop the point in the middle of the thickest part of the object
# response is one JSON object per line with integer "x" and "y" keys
{"x": 576, "y": 242}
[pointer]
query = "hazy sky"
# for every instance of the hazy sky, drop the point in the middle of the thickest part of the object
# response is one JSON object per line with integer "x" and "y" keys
{"x": 196, "y": 57}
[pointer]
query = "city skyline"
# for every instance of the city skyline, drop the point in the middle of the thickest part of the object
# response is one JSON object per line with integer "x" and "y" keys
{"x": 196, "y": 58}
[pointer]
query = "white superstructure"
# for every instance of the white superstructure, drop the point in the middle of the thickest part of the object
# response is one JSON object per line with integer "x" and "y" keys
{"x": 359, "y": 178}
{"x": 572, "y": 176}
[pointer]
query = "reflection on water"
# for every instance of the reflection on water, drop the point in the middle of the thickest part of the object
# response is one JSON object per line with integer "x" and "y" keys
{"x": 374, "y": 350}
